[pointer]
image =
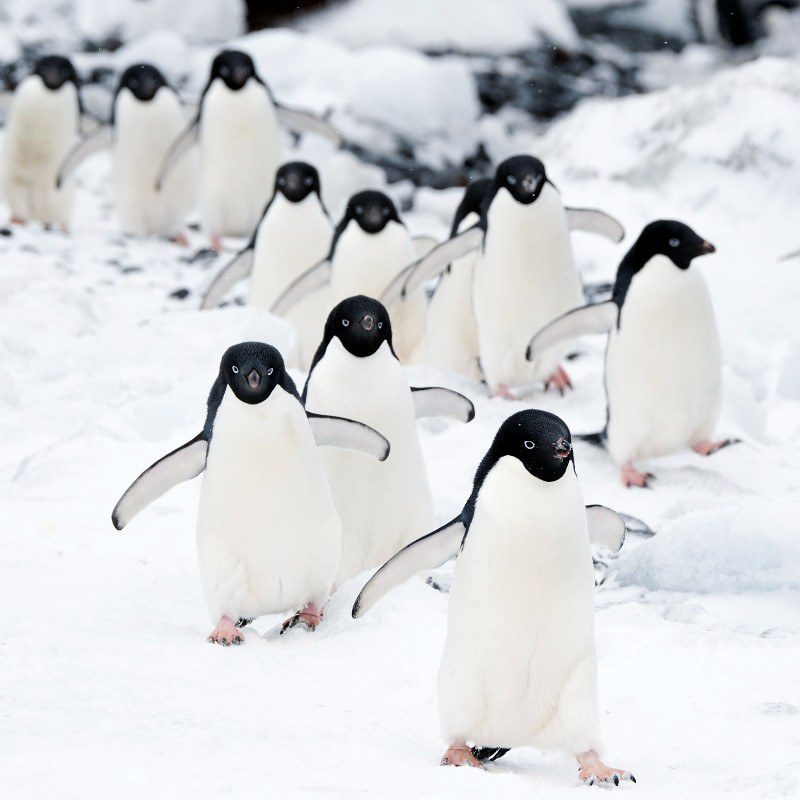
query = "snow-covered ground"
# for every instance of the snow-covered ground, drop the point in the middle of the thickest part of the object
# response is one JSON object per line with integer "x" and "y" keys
{"x": 107, "y": 685}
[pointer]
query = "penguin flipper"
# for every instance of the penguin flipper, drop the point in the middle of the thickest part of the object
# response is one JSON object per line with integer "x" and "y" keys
{"x": 187, "y": 139}
{"x": 606, "y": 527}
{"x": 423, "y": 245}
{"x": 429, "y": 552}
{"x": 313, "y": 278}
{"x": 592, "y": 220}
{"x": 183, "y": 464}
{"x": 595, "y": 318}
{"x": 101, "y": 137}
{"x": 306, "y": 122}
{"x": 347, "y": 433}
{"x": 237, "y": 269}
{"x": 436, "y": 401}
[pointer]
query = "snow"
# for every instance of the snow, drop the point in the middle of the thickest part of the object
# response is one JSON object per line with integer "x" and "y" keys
{"x": 108, "y": 686}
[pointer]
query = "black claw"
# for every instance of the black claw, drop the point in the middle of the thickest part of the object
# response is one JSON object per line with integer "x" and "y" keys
{"x": 633, "y": 779}
{"x": 616, "y": 780}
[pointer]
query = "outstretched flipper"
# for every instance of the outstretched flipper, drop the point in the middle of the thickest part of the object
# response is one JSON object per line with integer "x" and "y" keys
{"x": 429, "y": 552}
{"x": 101, "y": 137}
{"x": 592, "y": 220}
{"x": 306, "y": 122}
{"x": 349, "y": 434}
{"x": 423, "y": 245}
{"x": 598, "y": 318}
{"x": 606, "y": 527}
{"x": 312, "y": 279}
{"x": 237, "y": 269}
{"x": 177, "y": 150}
{"x": 183, "y": 464}
{"x": 432, "y": 264}
{"x": 436, "y": 401}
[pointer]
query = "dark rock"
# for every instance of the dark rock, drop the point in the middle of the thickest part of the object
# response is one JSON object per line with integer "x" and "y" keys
{"x": 180, "y": 294}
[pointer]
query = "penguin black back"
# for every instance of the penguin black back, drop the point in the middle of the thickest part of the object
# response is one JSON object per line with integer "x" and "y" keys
{"x": 471, "y": 203}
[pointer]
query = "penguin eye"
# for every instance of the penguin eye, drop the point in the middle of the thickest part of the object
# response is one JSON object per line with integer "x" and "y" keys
{"x": 281, "y": 181}
{"x": 235, "y": 370}
{"x": 512, "y": 179}
{"x": 270, "y": 370}
{"x": 380, "y": 325}
{"x": 529, "y": 445}
{"x": 386, "y": 212}
{"x": 674, "y": 242}
{"x": 345, "y": 322}
{"x": 308, "y": 180}
{"x": 359, "y": 210}
{"x": 224, "y": 70}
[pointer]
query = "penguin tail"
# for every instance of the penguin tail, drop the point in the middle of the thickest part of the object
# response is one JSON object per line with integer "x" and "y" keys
{"x": 489, "y": 753}
{"x": 597, "y": 439}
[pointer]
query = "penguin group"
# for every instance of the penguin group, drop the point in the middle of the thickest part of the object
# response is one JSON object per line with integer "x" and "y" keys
{"x": 306, "y": 489}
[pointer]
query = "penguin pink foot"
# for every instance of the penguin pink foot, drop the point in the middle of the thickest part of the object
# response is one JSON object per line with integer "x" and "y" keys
{"x": 15, "y": 220}
{"x": 632, "y": 477}
{"x": 460, "y": 755}
{"x": 708, "y": 448}
{"x": 592, "y": 770}
{"x": 504, "y": 392}
{"x": 226, "y": 633}
{"x": 309, "y": 615}
{"x": 559, "y": 379}
{"x": 215, "y": 242}
{"x": 181, "y": 239}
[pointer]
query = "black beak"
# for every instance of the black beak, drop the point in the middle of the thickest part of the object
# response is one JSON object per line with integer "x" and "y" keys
{"x": 368, "y": 323}
{"x": 563, "y": 448}
{"x": 241, "y": 75}
{"x": 253, "y": 378}
{"x": 293, "y": 182}
{"x": 373, "y": 216}
{"x": 707, "y": 247}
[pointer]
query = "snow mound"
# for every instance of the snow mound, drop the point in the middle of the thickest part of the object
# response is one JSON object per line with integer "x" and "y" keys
{"x": 744, "y": 547}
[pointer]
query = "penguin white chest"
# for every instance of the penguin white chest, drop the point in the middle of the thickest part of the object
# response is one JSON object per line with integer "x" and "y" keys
{"x": 524, "y": 278}
{"x": 519, "y": 664}
{"x": 663, "y": 364}
{"x": 382, "y": 505}
{"x": 267, "y": 530}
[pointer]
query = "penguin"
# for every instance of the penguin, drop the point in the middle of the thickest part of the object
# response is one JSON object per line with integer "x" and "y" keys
{"x": 525, "y": 270}
{"x": 267, "y": 530}
{"x": 238, "y": 126}
{"x": 370, "y": 245}
{"x": 294, "y": 233}
{"x": 355, "y": 373}
{"x": 663, "y": 372}
{"x": 519, "y": 665}
{"x": 146, "y": 115}
{"x": 451, "y": 334}
{"x": 43, "y": 122}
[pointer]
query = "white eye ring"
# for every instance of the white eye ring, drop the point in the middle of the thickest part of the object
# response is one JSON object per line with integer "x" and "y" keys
{"x": 235, "y": 370}
{"x": 270, "y": 370}
{"x": 345, "y": 322}
{"x": 308, "y": 180}
{"x": 281, "y": 181}
{"x": 674, "y": 242}
{"x": 359, "y": 210}
{"x": 512, "y": 179}
{"x": 380, "y": 325}
{"x": 529, "y": 444}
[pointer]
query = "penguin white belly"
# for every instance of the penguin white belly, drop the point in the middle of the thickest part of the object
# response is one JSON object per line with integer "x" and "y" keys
{"x": 663, "y": 364}
{"x": 382, "y": 505}
{"x": 451, "y": 333}
{"x": 267, "y": 530}
{"x": 42, "y": 126}
{"x": 291, "y": 238}
{"x": 519, "y": 664}
{"x": 143, "y": 133}
{"x": 240, "y": 147}
{"x": 524, "y": 278}
{"x": 366, "y": 263}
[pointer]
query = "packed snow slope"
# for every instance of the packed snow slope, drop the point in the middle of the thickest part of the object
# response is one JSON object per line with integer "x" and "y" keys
{"x": 107, "y": 685}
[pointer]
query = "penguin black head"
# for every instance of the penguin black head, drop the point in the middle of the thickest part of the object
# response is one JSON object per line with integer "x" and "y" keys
{"x": 540, "y": 440}
{"x": 361, "y": 324}
{"x": 252, "y": 370}
{"x": 372, "y": 211}
{"x": 673, "y": 239}
{"x": 296, "y": 180}
{"x": 234, "y": 67}
{"x": 142, "y": 81}
{"x": 55, "y": 71}
{"x": 523, "y": 176}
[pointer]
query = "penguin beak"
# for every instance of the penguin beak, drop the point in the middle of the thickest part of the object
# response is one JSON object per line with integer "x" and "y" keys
{"x": 373, "y": 216}
{"x": 293, "y": 182}
{"x": 563, "y": 448}
{"x": 707, "y": 247}
{"x": 368, "y": 323}
{"x": 253, "y": 378}
{"x": 240, "y": 75}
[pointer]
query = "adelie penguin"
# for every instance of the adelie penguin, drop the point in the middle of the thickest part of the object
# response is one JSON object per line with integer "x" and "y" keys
{"x": 663, "y": 372}
{"x": 146, "y": 116}
{"x": 524, "y": 271}
{"x": 268, "y": 534}
{"x": 356, "y": 374}
{"x": 238, "y": 127}
{"x": 43, "y": 123}
{"x": 294, "y": 233}
{"x": 370, "y": 245}
{"x": 519, "y": 666}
